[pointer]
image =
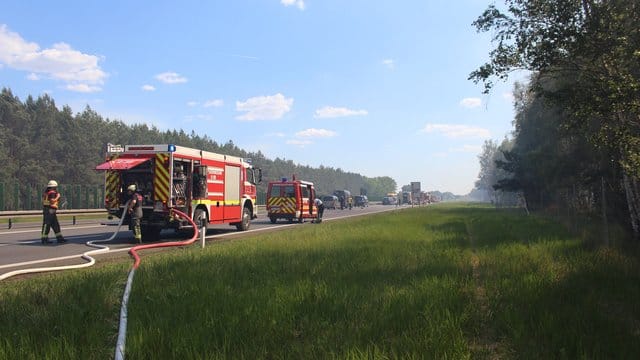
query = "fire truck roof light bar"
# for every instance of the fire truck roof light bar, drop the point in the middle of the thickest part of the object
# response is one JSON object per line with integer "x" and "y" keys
{"x": 171, "y": 148}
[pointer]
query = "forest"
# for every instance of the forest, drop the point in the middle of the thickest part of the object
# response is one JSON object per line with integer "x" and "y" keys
{"x": 575, "y": 148}
{"x": 39, "y": 142}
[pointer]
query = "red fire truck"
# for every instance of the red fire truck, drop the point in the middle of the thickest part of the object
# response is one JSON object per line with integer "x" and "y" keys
{"x": 212, "y": 188}
{"x": 291, "y": 199}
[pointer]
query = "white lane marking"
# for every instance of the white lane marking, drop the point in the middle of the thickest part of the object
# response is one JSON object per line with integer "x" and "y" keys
{"x": 106, "y": 252}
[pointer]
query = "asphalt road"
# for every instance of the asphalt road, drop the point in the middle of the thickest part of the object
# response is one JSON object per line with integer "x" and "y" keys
{"x": 20, "y": 247}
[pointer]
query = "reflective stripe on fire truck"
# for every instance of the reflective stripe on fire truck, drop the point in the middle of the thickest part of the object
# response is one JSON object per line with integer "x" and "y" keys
{"x": 161, "y": 178}
{"x": 216, "y": 202}
{"x": 286, "y": 204}
{"x": 112, "y": 187}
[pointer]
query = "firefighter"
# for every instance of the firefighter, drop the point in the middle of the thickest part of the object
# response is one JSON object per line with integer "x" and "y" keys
{"x": 320, "y": 207}
{"x": 135, "y": 210}
{"x": 50, "y": 199}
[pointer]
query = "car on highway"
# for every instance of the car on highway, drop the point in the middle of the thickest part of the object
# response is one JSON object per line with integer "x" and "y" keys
{"x": 361, "y": 201}
{"x": 388, "y": 200}
{"x": 330, "y": 201}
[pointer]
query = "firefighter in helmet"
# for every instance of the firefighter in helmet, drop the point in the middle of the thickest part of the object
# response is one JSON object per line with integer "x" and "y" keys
{"x": 320, "y": 207}
{"x": 135, "y": 210}
{"x": 50, "y": 200}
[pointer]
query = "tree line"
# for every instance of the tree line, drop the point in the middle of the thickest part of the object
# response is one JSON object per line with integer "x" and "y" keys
{"x": 41, "y": 142}
{"x": 576, "y": 141}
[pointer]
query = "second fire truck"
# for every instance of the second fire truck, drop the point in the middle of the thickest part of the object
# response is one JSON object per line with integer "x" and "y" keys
{"x": 291, "y": 200}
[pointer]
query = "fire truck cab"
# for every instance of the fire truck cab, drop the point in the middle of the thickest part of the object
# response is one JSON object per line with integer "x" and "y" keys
{"x": 291, "y": 200}
{"x": 212, "y": 188}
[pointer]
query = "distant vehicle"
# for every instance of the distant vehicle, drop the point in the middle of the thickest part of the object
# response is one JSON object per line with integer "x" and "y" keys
{"x": 361, "y": 200}
{"x": 388, "y": 200}
{"x": 345, "y": 198}
{"x": 406, "y": 197}
{"x": 330, "y": 201}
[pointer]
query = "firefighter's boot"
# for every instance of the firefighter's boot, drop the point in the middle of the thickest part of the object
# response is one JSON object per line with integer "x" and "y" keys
{"x": 44, "y": 236}
{"x": 137, "y": 234}
{"x": 60, "y": 239}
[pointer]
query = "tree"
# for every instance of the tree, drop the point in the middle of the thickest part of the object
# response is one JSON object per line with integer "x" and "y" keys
{"x": 589, "y": 48}
{"x": 488, "y": 174}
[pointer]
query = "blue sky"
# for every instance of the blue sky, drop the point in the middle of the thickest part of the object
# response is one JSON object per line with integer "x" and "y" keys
{"x": 374, "y": 87}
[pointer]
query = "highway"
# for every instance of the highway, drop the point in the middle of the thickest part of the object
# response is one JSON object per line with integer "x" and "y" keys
{"x": 20, "y": 247}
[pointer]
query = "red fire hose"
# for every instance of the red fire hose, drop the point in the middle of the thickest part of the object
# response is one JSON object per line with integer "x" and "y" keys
{"x": 134, "y": 249}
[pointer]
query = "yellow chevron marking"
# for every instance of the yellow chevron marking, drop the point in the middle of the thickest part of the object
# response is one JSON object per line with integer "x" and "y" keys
{"x": 161, "y": 178}
{"x": 284, "y": 205}
{"x": 112, "y": 185}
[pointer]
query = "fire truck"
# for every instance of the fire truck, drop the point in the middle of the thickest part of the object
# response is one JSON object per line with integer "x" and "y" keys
{"x": 291, "y": 200}
{"x": 212, "y": 188}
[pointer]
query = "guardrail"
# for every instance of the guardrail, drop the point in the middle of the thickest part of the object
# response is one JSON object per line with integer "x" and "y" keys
{"x": 31, "y": 213}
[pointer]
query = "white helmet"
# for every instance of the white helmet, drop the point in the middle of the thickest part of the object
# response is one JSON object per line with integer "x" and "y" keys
{"x": 52, "y": 183}
{"x": 131, "y": 187}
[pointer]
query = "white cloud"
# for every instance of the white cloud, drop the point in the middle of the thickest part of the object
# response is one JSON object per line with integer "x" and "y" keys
{"x": 171, "y": 78}
{"x": 390, "y": 63}
{"x": 33, "y": 77}
{"x": 148, "y": 88}
{"x": 213, "y": 103}
{"x": 192, "y": 103}
{"x": 316, "y": 133}
{"x": 297, "y": 3}
{"x": 471, "y": 102}
{"x": 508, "y": 96}
{"x": 456, "y": 131}
{"x": 333, "y": 112}
{"x": 264, "y": 107}
{"x": 80, "y": 71}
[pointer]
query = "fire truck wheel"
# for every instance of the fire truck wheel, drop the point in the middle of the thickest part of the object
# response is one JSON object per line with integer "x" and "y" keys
{"x": 151, "y": 233}
{"x": 243, "y": 225}
{"x": 273, "y": 219}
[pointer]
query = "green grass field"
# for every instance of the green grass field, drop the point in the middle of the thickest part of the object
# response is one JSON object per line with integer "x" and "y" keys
{"x": 442, "y": 282}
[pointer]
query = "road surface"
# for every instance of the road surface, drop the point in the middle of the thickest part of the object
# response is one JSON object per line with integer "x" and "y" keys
{"x": 20, "y": 247}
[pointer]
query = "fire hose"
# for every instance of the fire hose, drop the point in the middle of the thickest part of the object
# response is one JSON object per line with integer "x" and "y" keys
{"x": 86, "y": 256}
{"x": 122, "y": 330}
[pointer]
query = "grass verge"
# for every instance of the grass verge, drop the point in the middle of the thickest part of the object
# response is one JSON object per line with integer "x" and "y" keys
{"x": 452, "y": 281}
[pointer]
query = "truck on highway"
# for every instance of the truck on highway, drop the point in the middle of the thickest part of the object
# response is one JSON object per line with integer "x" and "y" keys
{"x": 406, "y": 197}
{"x": 212, "y": 188}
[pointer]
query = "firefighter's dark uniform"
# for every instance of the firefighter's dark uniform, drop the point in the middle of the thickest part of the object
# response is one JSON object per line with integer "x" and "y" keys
{"x": 50, "y": 200}
{"x": 135, "y": 209}
{"x": 320, "y": 207}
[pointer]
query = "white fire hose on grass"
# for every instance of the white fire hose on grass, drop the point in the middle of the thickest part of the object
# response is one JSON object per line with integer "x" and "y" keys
{"x": 87, "y": 256}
